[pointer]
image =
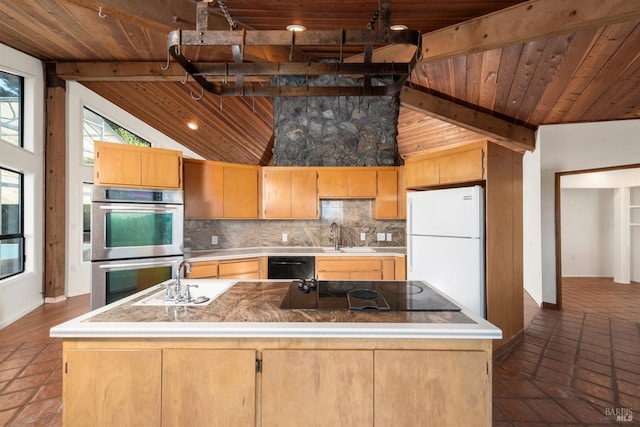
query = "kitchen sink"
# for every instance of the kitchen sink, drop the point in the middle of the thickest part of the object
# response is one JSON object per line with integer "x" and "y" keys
{"x": 203, "y": 292}
{"x": 358, "y": 249}
{"x": 355, "y": 249}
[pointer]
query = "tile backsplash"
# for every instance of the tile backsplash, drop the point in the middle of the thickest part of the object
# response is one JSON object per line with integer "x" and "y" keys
{"x": 353, "y": 216}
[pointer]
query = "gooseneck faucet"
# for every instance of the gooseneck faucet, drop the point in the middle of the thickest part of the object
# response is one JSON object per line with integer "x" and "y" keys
{"x": 335, "y": 236}
{"x": 185, "y": 268}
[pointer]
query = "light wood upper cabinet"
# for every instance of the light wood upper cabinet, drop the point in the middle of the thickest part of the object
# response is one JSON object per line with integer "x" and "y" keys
{"x": 204, "y": 387}
{"x": 125, "y": 392}
{"x": 465, "y": 164}
{"x": 317, "y": 387}
{"x": 289, "y": 193}
{"x": 347, "y": 182}
{"x": 387, "y": 201}
{"x": 220, "y": 190}
{"x": 134, "y": 166}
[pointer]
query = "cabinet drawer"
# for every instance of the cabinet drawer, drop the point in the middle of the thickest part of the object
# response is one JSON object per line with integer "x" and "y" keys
{"x": 203, "y": 269}
{"x": 360, "y": 264}
{"x": 240, "y": 267}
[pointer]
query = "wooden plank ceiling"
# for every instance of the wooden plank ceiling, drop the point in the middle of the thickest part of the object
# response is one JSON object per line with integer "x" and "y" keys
{"x": 117, "y": 48}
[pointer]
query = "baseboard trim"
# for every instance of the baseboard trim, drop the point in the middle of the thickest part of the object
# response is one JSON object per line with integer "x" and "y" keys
{"x": 506, "y": 347}
{"x": 549, "y": 305}
{"x": 54, "y": 300}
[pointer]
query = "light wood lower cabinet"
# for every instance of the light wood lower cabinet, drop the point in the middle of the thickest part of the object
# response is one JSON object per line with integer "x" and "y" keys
{"x": 245, "y": 268}
{"x": 112, "y": 387}
{"x": 417, "y": 388}
{"x": 205, "y": 387}
{"x": 355, "y": 268}
{"x": 301, "y": 382}
{"x": 317, "y": 387}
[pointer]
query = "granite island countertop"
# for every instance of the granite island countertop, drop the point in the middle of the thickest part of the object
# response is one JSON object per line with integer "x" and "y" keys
{"x": 252, "y": 309}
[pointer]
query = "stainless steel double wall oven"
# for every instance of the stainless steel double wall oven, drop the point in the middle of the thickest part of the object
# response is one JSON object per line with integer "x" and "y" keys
{"x": 136, "y": 240}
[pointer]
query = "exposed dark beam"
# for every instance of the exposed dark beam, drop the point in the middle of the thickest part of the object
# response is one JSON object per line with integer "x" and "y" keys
{"x": 513, "y": 136}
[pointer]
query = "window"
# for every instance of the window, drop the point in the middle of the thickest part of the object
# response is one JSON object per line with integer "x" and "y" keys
{"x": 11, "y": 224}
{"x": 98, "y": 128}
{"x": 11, "y": 105}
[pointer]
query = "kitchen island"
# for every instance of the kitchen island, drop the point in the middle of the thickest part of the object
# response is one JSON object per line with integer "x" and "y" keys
{"x": 242, "y": 360}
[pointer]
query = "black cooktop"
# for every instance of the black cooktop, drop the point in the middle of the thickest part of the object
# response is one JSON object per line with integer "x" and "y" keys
{"x": 364, "y": 295}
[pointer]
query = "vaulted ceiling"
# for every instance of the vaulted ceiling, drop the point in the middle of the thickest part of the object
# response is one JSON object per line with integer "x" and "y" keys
{"x": 495, "y": 69}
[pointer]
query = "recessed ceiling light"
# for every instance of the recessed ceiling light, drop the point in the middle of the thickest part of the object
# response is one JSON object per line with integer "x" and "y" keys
{"x": 399, "y": 27}
{"x": 192, "y": 125}
{"x": 296, "y": 27}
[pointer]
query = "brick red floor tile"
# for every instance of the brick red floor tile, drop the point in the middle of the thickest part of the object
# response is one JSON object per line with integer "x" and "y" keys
{"x": 38, "y": 410}
{"x": 23, "y": 383}
{"x": 15, "y": 399}
{"x": 581, "y": 410}
{"x": 517, "y": 409}
{"x": 48, "y": 391}
{"x": 550, "y": 411}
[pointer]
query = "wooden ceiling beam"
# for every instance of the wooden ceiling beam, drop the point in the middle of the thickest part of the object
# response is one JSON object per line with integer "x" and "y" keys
{"x": 524, "y": 22}
{"x": 129, "y": 72}
{"x": 515, "y": 137}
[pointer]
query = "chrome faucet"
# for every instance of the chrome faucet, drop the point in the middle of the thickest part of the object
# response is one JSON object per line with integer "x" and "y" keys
{"x": 185, "y": 268}
{"x": 335, "y": 236}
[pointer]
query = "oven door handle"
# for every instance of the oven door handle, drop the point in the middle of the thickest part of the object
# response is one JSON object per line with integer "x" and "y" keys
{"x": 136, "y": 264}
{"x": 138, "y": 208}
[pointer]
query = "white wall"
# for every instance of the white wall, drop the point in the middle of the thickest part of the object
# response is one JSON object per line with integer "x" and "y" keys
{"x": 563, "y": 148}
{"x": 587, "y": 232}
{"x": 22, "y": 293}
{"x": 78, "y": 277}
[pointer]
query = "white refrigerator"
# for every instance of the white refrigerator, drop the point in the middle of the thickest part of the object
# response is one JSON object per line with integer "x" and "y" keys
{"x": 445, "y": 243}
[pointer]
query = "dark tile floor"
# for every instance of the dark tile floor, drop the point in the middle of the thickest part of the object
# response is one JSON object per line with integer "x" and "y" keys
{"x": 578, "y": 367}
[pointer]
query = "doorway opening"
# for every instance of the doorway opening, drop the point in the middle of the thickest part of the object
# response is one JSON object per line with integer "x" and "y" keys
{"x": 598, "y": 231}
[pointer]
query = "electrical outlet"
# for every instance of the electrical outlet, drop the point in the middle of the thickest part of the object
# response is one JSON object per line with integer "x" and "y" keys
{"x": 285, "y": 237}
{"x": 214, "y": 240}
{"x": 363, "y": 236}
{"x": 389, "y": 237}
{"x": 380, "y": 237}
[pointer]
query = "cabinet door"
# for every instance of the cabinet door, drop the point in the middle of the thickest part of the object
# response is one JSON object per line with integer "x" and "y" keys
{"x": 202, "y": 387}
{"x": 386, "y": 203}
{"x": 461, "y": 167}
{"x": 421, "y": 173}
{"x": 432, "y": 388}
{"x": 317, "y": 388}
{"x": 240, "y": 192}
{"x": 116, "y": 165}
{"x": 333, "y": 183}
{"x": 276, "y": 193}
{"x": 162, "y": 168}
{"x": 202, "y": 189}
{"x": 112, "y": 388}
{"x": 304, "y": 199}
{"x": 362, "y": 183}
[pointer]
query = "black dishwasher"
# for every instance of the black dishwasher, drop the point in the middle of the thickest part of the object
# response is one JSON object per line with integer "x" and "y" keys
{"x": 291, "y": 267}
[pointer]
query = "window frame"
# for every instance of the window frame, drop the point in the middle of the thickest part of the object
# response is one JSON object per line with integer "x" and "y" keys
{"x": 19, "y": 235}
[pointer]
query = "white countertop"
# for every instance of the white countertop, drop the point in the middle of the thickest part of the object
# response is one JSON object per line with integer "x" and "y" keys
{"x": 210, "y": 255}
{"x": 182, "y": 325}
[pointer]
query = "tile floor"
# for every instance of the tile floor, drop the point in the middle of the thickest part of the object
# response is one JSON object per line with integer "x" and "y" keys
{"x": 577, "y": 367}
{"x": 574, "y": 368}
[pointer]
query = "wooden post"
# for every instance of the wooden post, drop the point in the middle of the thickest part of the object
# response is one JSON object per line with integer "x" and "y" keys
{"x": 55, "y": 154}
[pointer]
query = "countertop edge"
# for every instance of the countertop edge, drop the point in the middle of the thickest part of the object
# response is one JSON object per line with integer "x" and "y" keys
{"x": 220, "y": 254}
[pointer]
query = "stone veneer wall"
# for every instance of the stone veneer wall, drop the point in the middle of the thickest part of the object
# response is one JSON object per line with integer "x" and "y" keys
{"x": 354, "y": 216}
{"x": 334, "y": 131}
